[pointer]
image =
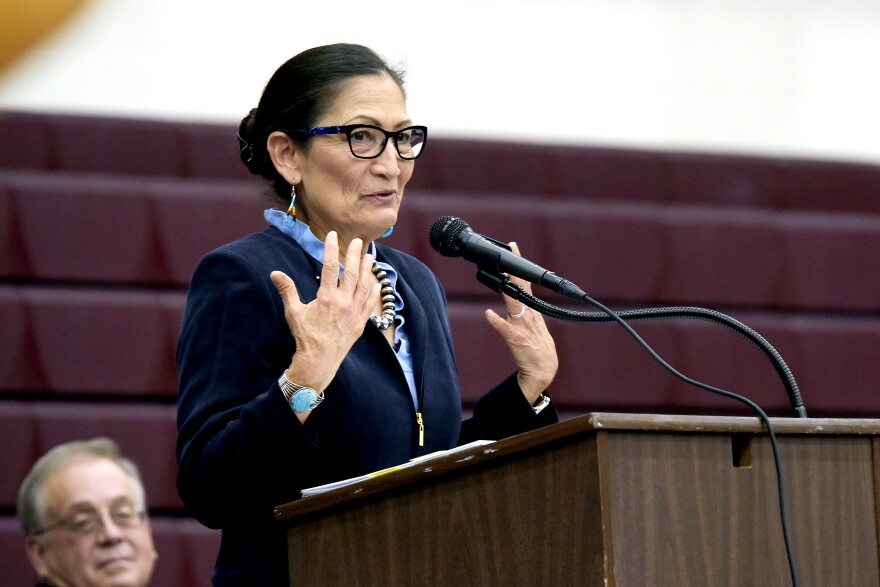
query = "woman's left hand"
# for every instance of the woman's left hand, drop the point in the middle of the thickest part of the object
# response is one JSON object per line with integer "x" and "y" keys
{"x": 529, "y": 342}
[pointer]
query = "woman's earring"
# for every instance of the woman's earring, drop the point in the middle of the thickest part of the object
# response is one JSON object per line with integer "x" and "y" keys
{"x": 387, "y": 233}
{"x": 292, "y": 210}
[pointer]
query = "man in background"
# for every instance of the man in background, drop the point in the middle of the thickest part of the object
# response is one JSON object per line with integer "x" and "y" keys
{"x": 82, "y": 508}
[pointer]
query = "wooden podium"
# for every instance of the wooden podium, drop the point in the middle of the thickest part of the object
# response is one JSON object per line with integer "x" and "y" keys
{"x": 609, "y": 499}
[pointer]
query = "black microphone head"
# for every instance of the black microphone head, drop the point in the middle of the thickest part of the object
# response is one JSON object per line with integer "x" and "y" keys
{"x": 444, "y": 234}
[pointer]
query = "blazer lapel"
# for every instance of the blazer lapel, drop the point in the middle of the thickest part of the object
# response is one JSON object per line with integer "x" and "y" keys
{"x": 416, "y": 326}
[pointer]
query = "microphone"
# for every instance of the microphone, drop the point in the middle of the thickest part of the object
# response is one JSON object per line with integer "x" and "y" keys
{"x": 452, "y": 237}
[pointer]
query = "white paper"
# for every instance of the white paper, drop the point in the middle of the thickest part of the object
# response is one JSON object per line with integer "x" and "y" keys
{"x": 416, "y": 461}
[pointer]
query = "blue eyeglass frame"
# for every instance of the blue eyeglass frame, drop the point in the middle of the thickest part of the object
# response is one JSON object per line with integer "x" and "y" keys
{"x": 348, "y": 128}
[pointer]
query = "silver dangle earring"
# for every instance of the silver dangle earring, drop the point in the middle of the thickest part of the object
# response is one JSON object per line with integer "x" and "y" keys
{"x": 292, "y": 210}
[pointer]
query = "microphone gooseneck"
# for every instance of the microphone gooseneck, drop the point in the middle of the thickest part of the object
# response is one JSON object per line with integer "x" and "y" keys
{"x": 453, "y": 237}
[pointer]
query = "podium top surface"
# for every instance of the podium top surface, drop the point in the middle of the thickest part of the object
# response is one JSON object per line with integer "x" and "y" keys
{"x": 593, "y": 423}
{"x": 726, "y": 424}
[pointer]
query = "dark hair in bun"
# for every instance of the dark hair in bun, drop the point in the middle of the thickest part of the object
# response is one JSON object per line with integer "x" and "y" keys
{"x": 298, "y": 93}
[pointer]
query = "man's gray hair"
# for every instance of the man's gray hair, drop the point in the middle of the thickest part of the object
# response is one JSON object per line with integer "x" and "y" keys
{"x": 31, "y": 510}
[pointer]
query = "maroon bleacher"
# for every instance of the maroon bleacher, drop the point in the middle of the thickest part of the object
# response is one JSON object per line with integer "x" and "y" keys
{"x": 103, "y": 220}
{"x": 642, "y": 176}
{"x": 113, "y": 229}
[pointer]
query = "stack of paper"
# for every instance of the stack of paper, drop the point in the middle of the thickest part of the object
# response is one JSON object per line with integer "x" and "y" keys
{"x": 416, "y": 461}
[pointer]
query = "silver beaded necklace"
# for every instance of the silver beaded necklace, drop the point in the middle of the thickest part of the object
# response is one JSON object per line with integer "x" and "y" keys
{"x": 384, "y": 321}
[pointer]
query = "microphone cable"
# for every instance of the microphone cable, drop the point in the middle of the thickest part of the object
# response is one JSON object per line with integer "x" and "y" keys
{"x": 513, "y": 290}
{"x": 696, "y": 313}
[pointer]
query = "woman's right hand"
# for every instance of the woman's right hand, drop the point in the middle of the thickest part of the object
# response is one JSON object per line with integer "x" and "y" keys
{"x": 326, "y": 328}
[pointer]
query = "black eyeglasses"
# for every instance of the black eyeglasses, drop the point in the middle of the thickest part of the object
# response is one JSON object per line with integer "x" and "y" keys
{"x": 368, "y": 142}
{"x": 87, "y": 522}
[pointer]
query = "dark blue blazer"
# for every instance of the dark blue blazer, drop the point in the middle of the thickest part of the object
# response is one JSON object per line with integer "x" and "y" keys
{"x": 240, "y": 448}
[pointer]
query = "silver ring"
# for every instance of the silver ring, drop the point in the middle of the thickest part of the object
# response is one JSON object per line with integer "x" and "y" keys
{"x": 519, "y": 314}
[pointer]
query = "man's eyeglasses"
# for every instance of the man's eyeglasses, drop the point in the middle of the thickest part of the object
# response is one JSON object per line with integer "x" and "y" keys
{"x": 86, "y": 523}
{"x": 368, "y": 142}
